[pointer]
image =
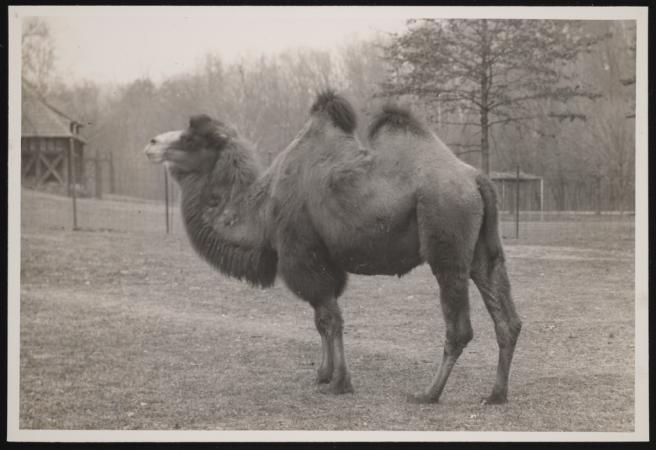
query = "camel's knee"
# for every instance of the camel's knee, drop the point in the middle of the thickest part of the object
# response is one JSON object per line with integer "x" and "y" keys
{"x": 455, "y": 347}
{"x": 508, "y": 333}
{"x": 457, "y": 340}
{"x": 515, "y": 328}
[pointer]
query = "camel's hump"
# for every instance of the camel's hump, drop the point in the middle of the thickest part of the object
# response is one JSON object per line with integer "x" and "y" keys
{"x": 396, "y": 118}
{"x": 337, "y": 108}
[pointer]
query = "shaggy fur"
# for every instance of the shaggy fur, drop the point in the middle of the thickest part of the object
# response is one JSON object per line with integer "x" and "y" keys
{"x": 337, "y": 109}
{"x": 397, "y": 119}
{"x": 328, "y": 206}
{"x": 257, "y": 264}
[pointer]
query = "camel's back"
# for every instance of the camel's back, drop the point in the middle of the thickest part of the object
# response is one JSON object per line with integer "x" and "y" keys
{"x": 366, "y": 207}
{"x": 361, "y": 201}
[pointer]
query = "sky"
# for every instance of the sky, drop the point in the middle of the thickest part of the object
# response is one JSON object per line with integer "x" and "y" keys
{"x": 121, "y": 44}
{"x": 163, "y": 42}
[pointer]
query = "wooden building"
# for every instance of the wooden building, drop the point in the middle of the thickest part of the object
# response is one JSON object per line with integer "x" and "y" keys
{"x": 52, "y": 149}
{"x": 531, "y": 191}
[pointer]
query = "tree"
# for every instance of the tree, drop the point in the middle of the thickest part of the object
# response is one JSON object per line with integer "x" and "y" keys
{"x": 38, "y": 55}
{"x": 485, "y": 72}
{"x": 610, "y": 135}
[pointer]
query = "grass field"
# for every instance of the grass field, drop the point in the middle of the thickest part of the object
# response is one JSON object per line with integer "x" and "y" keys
{"x": 123, "y": 327}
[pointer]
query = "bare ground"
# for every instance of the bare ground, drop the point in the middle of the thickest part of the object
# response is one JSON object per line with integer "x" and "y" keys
{"x": 123, "y": 327}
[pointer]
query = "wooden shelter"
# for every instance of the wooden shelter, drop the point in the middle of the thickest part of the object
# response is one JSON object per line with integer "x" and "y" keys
{"x": 52, "y": 149}
{"x": 530, "y": 187}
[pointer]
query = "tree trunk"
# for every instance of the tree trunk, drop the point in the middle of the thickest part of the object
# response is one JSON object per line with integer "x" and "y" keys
{"x": 560, "y": 193}
{"x": 485, "y": 144}
{"x": 112, "y": 185}
{"x": 485, "y": 83}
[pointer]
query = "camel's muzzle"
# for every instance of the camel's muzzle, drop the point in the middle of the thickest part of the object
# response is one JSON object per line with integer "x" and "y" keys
{"x": 157, "y": 147}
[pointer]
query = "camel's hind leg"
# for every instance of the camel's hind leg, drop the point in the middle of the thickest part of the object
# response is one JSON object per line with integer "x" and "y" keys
{"x": 454, "y": 299}
{"x": 325, "y": 371}
{"x": 447, "y": 236}
{"x": 491, "y": 278}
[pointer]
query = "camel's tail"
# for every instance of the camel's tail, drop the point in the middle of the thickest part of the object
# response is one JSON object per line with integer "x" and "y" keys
{"x": 490, "y": 227}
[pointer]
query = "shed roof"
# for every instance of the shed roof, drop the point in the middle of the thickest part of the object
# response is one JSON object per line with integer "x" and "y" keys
{"x": 512, "y": 176}
{"x": 41, "y": 119}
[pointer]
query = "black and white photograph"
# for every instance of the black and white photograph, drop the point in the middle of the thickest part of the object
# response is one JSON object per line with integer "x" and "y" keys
{"x": 327, "y": 223}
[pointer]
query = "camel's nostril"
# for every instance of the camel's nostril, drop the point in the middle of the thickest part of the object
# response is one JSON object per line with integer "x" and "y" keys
{"x": 153, "y": 141}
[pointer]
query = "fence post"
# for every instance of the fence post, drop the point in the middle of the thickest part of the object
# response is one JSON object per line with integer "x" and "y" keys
{"x": 72, "y": 177}
{"x": 172, "y": 205}
{"x": 502, "y": 203}
{"x": 541, "y": 199}
{"x": 98, "y": 168}
{"x": 517, "y": 204}
{"x": 598, "y": 192}
{"x": 166, "y": 199}
{"x": 112, "y": 186}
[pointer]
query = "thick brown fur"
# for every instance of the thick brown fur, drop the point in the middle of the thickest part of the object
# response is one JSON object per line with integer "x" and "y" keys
{"x": 394, "y": 117}
{"x": 337, "y": 109}
{"x": 328, "y": 206}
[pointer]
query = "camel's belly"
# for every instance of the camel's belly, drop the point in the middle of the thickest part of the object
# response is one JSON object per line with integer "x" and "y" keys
{"x": 380, "y": 251}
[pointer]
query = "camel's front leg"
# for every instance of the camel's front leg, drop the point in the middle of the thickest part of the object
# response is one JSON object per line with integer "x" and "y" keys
{"x": 328, "y": 319}
{"x": 325, "y": 372}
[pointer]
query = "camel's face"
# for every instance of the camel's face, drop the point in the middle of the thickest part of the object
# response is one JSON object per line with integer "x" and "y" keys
{"x": 195, "y": 149}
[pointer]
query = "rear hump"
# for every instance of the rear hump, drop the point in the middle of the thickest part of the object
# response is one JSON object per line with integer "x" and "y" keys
{"x": 397, "y": 119}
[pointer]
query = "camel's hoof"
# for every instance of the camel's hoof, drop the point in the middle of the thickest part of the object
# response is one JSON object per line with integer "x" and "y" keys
{"x": 338, "y": 387}
{"x": 494, "y": 399}
{"x": 420, "y": 398}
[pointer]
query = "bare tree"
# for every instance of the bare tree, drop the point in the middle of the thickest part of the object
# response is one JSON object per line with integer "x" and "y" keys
{"x": 487, "y": 72}
{"x": 38, "y": 55}
{"x": 609, "y": 139}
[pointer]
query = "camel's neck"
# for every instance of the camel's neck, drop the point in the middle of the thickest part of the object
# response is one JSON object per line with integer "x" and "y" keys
{"x": 223, "y": 216}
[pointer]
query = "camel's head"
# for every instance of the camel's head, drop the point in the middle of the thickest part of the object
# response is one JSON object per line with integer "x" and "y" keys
{"x": 195, "y": 149}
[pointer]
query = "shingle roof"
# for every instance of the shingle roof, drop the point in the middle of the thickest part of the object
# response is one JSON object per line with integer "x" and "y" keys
{"x": 40, "y": 119}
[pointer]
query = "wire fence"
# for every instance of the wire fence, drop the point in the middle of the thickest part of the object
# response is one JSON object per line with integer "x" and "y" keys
{"x": 100, "y": 211}
{"x": 128, "y": 178}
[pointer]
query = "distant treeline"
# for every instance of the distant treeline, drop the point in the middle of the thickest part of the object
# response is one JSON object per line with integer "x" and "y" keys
{"x": 583, "y": 147}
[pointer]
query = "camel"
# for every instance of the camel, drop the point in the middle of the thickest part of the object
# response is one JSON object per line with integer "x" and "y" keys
{"x": 328, "y": 206}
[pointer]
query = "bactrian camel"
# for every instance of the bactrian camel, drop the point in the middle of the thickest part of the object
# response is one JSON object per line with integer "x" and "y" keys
{"x": 328, "y": 206}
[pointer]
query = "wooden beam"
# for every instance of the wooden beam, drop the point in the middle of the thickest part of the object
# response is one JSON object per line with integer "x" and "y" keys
{"x": 51, "y": 168}
{"x": 29, "y": 164}
{"x": 37, "y": 168}
{"x": 73, "y": 178}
